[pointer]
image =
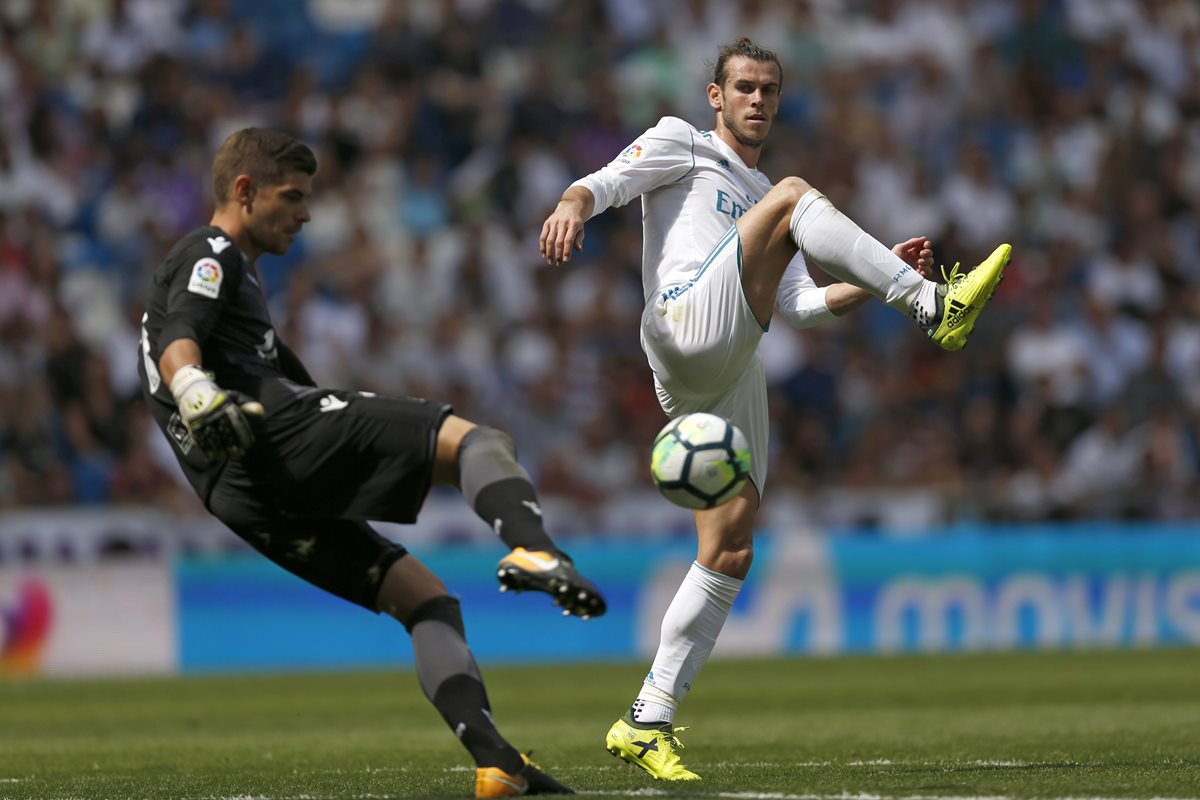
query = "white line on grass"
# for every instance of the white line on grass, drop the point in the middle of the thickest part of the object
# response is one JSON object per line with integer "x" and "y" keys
{"x": 842, "y": 796}
{"x": 875, "y": 762}
{"x": 726, "y": 795}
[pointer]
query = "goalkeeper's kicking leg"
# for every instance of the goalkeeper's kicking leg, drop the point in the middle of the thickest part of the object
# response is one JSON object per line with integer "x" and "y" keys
{"x": 482, "y": 462}
{"x": 451, "y": 680}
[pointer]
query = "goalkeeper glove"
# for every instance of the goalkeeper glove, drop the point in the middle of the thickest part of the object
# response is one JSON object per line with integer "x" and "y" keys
{"x": 216, "y": 418}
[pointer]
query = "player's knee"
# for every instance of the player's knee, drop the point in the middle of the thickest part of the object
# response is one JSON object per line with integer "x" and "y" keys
{"x": 737, "y": 562}
{"x": 469, "y": 443}
{"x": 791, "y": 189}
{"x": 443, "y": 608}
{"x": 484, "y": 440}
{"x": 450, "y": 437}
{"x": 732, "y": 559}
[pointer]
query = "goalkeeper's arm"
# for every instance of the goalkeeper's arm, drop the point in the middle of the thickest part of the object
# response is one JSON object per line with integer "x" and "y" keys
{"x": 291, "y": 365}
{"x": 216, "y": 418}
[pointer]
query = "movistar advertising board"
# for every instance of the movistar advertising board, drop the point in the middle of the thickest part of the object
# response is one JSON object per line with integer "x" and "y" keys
{"x": 967, "y": 589}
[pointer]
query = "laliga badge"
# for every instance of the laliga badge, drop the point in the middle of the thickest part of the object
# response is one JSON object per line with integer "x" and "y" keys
{"x": 206, "y": 278}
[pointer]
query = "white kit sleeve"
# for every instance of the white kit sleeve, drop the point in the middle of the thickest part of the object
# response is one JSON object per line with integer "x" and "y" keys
{"x": 661, "y": 155}
{"x": 799, "y": 298}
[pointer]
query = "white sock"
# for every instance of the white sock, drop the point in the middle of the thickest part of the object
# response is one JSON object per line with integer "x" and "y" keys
{"x": 845, "y": 251}
{"x": 689, "y": 631}
{"x": 653, "y": 706}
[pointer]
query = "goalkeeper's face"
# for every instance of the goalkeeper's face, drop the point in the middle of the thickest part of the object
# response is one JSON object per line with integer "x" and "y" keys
{"x": 277, "y": 213}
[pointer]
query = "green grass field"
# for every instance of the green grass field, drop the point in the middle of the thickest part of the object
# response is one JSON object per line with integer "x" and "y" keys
{"x": 1095, "y": 725}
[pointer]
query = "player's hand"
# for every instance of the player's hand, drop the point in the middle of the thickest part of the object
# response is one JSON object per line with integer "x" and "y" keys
{"x": 918, "y": 254}
{"x": 562, "y": 232}
{"x": 217, "y": 419}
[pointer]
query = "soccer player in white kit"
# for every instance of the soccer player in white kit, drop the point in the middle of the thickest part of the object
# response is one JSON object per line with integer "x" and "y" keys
{"x": 723, "y": 250}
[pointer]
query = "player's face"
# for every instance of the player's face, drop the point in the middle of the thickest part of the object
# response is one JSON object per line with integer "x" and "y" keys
{"x": 278, "y": 213}
{"x": 748, "y": 102}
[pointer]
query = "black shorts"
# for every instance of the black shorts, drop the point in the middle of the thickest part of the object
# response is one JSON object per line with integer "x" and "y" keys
{"x": 326, "y": 461}
{"x": 344, "y": 557}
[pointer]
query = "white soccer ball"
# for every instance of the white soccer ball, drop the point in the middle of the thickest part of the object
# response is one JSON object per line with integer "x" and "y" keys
{"x": 700, "y": 461}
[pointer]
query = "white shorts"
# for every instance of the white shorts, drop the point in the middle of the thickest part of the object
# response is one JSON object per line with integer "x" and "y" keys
{"x": 701, "y": 339}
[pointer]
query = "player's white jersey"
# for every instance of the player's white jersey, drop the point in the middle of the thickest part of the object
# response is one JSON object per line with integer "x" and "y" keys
{"x": 693, "y": 188}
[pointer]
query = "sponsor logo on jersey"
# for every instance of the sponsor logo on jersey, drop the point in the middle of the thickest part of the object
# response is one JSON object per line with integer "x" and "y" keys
{"x": 728, "y": 206}
{"x": 218, "y": 243}
{"x": 206, "y": 278}
{"x": 631, "y": 154}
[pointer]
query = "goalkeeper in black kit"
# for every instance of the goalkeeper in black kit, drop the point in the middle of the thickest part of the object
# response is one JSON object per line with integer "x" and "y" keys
{"x": 297, "y": 470}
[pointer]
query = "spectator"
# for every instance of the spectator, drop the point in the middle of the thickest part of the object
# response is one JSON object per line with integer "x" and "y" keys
{"x": 1068, "y": 128}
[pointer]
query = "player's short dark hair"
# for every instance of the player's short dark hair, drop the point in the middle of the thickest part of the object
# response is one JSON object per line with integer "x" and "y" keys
{"x": 742, "y": 47}
{"x": 266, "y": 155}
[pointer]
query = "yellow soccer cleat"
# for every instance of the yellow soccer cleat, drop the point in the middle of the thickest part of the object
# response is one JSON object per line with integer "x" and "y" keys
{"x": 553, "y": 573}
{"x": 495, "y": 782}
{"x": 652, "y": 749}
{"x": 966, "y": 295}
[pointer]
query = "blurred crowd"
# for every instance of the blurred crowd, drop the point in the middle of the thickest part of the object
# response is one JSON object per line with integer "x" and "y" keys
{"x": 445, "y": 132}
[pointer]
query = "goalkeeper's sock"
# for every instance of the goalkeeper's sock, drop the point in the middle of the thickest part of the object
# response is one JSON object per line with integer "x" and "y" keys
{"x": 499, "y": 489}
{"x": 451, "y": 680}
{"x": 689, "y": 631}
{"x": 844, "y": 250}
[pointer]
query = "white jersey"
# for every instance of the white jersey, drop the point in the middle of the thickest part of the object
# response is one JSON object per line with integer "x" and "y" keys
{"x": 693, "y": 188}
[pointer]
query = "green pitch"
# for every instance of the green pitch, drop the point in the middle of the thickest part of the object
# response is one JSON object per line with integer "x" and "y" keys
{"x": 1095, "y": 725}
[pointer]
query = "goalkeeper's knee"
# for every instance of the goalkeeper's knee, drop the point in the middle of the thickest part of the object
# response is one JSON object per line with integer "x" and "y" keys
{"x": 486, "y": 455}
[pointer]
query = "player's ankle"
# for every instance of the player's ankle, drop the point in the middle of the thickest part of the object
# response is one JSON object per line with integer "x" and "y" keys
{"x": 649, "y": 714}
{"x": 927, "y": 306}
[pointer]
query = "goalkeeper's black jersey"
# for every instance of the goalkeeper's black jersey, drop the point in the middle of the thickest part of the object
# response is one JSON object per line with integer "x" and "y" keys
{"x": 206, "y": 290}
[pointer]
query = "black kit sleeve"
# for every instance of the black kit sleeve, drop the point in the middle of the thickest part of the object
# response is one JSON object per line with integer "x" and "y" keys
{"x": 292, "y": 366}
{"x": 198, "y": 290}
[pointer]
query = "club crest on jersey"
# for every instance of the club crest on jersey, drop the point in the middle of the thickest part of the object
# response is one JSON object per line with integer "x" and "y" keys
{"x": 631, "y": 154}
{"x": 206, "y": 278}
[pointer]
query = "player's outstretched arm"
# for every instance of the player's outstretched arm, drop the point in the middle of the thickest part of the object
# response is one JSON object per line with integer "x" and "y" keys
{"x": 842, "y": 298}
{"x": 562, "y": 231}
{"x": 217, "y": 419}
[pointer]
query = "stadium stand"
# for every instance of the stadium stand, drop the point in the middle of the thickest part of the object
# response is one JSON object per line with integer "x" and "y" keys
{"x": 445, "y": 131}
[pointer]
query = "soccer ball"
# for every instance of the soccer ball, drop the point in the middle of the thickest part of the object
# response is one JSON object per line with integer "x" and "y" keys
{"x": 700, "y": 461}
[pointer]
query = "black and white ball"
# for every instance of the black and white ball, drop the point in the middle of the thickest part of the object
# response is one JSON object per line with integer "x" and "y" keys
{"x": 700, "y": 461}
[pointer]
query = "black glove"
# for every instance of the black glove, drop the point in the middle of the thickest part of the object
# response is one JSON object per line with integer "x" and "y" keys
{"x": 217, "y": 419}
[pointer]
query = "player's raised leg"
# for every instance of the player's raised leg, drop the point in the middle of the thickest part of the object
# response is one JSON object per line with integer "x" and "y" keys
{"x": 482, "y": 461}
{"x": 451, "y": 680}
{"x": 646, "y": 736}
{"x": 794, "y": 215}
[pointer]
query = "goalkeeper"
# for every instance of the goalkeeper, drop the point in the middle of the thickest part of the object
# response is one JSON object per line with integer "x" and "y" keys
{"x": 297, "y": 470}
